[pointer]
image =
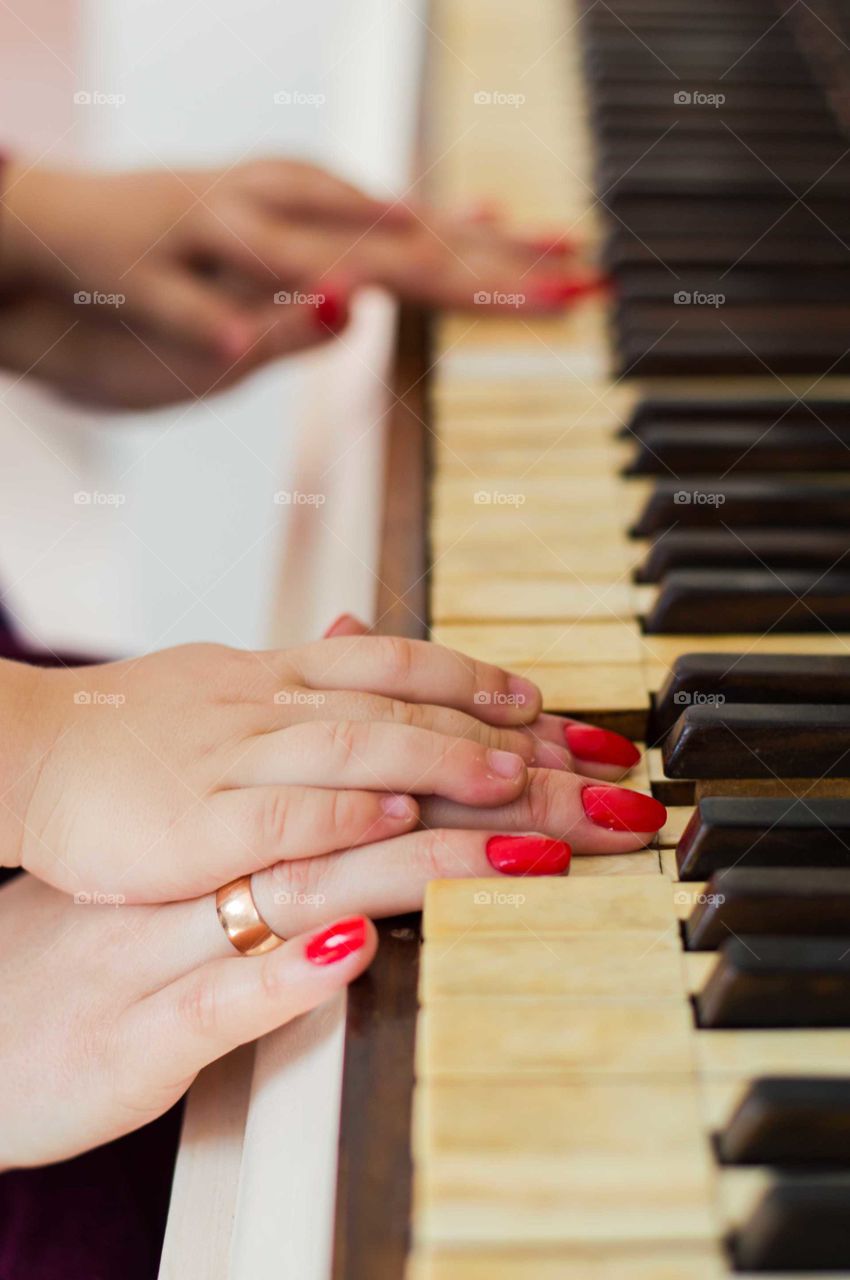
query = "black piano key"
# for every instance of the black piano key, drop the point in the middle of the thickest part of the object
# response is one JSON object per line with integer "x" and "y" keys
{"x": 707, "y": 409}
{"x": 738, "y": 504}
{"x": 750, "y": 741}
{"x": 749, "y": 601}
{"x": 803, "y": 901}
{"x": 790, "y": 1120}
{"x": 800, "y": 1224}
{"x": 764, "y": 832}
{"x": 762, "y": 981}
{"x": 706, "y": 679}
{"x": 820, "y": 549}
{"x": 718, "y": 448}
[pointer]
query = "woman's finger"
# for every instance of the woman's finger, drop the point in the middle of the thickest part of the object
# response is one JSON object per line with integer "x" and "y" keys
{"x": 593, "y": 752}
{"x": 230, "y": 1001}
{"x": 293, "y": 188}
{"x": 592, "y": 817}
{"x": 378, "y": 756}
{"x": 389, "y": 878}
{"x": 417, "y": 671}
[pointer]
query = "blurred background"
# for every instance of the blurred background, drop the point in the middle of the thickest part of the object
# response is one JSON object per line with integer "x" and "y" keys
{"x": 196, "y": 546}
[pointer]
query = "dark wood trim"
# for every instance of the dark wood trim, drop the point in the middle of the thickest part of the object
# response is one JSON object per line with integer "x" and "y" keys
{"x": 374, "y": 1176}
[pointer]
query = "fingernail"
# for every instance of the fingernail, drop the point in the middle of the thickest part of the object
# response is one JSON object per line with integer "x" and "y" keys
{"x": 337, "y": 942}
{"x": 523, "y": 692}
{"x": 548, "y": 755}
{"x": 557, "y": 293}
{"x": 600, "y": 746}
{"x": 618, "y": 809}
{"x": 528, "y": 855}
{"x": 505, "y": 764}
{"x": 338, "y": 622}
{"x": 398, "y": 807}
{"x": 331, "y": 310}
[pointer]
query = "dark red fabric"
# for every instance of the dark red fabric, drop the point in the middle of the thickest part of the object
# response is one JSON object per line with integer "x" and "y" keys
{"x": 102, "y": 1215}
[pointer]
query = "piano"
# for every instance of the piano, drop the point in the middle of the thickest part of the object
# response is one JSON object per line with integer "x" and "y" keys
{"x": 640, "y": 1071}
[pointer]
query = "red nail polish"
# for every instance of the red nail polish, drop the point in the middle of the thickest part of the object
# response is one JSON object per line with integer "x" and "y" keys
{"x": 618, "y": 809}
{"x": 600, "y": 746}
{"x": 331, "y": 311}
{"x": 337, "y": 623}
{"x": 337, "y": 942}
{"x": 551, "y": 245}
{"x": 528, "y": 855}
{"x": 557, "y": 293}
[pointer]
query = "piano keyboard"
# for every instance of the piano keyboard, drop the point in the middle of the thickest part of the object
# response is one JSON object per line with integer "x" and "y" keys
{"x": 642, "y": 1072}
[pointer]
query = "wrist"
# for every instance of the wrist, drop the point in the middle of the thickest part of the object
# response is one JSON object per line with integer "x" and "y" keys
{"x": 25, "y": 741}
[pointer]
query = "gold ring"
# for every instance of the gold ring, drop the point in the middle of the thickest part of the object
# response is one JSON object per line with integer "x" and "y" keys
{"x": 241, "y": 921}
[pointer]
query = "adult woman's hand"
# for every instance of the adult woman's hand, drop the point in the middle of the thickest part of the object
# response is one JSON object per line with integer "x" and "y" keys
{"x": 181, "y": 282}
{"x": 109, "y": 1012}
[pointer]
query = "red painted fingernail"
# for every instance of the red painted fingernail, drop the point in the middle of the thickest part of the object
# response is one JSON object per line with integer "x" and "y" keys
{"x": 618, "y": 809}
{"x": 528, "y": 855}
{"x": 331, "y": 311}
{"x": 343, "y": 619}
{"x": 600, "y": 746}
{"x": 557, "y": 293}
{"x": 337, "y": 942}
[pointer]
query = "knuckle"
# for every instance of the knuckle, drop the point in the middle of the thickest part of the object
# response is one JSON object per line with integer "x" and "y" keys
{"x": 404, "y": 713}
{"x": 296, "y": 881}
{"x": 544, "y": 799}
{"x": 198, "y": 1007}
{"x": 431, "y": 853}
{"x": 275, "y": 817}
{"x": 343, "y": 740}
{"x": 346, "y": 812}
{"x": 398, "y": 657}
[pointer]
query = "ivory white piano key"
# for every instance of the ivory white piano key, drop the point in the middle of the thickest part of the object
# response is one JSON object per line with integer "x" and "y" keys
{"x": 644, "y": 863}
{"x": 604, "y": 561}
{"x": 587, "y": 690}
{"x": 496, "y": 525}
{"x": 678, "y": 817}
{"x": 698, "y": 965}
{"x": 663, "y": 650}
{"x": 541, "y": 493}
{"x": 561, "y": 457}
{"x": 668, "y": 864}
{"x": 469, "y": 1200}
{"x": 738, "y": 1193}
{"x": 694, "y": 1260}
{"x": 780, "y": 1052}
{"x": 547, "y": 1037}
{"x": 514, "y": 600}
{"x": 609, "y": 643}
{"x": 628, "y": 966}
{"x": 629, "y": 1119}
{"x": 548, "y": 905}
{"x": 686, "y": 895}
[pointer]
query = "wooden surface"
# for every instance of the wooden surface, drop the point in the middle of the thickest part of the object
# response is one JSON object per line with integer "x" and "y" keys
{"x": 374, "y": 1171}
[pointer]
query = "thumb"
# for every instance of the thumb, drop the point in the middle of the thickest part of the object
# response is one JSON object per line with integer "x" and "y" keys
{"x": 227, "y": 1002}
